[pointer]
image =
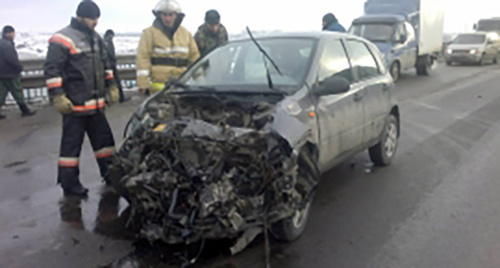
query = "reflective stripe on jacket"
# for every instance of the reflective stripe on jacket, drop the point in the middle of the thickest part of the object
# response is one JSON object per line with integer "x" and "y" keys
{"x": 160, "y": 58}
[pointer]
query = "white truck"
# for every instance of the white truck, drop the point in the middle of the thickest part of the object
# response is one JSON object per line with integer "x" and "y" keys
{"x": 409, "y": 33}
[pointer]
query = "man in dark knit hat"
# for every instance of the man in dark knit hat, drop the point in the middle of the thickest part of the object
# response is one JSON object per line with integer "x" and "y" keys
{"x": 331, "y": 23}
{"x": 10, "y": 72}
{"x": 81, "y": 84}
{"x": 211, "y": 34}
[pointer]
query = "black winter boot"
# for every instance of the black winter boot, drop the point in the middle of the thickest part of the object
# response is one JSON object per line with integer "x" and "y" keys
{"x": 25, "y": 110}
{"x": 73, "y": 187}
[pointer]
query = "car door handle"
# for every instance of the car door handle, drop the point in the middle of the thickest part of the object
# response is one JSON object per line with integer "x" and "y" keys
{"x": 358, "y": 97}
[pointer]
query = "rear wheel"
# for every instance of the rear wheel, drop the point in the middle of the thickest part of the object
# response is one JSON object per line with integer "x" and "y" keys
{"x": 449, "y": 63}
{"x": 290, "y": 229}
{"x": 424, "y": 65}
{"x": 383, "y": 152}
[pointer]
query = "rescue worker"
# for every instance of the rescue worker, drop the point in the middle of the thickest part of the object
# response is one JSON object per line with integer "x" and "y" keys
{"x": 110, "y": 49}
{"x": 10, "y": 72}
{"x": 166, "y": 48}
{"x": 80, "y": 83}
{"x": 211, "y": 34}
{"x": 331, "y": 23}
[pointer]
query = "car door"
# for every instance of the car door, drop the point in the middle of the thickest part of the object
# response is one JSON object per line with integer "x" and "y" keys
{"x": 340, "y": 116}
{"x": 373, "y": 85}
{"x": 410, "y": 46}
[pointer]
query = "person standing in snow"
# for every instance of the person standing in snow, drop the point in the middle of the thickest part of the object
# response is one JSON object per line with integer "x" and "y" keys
{"x": 211, "y": 34}
{"x": 330, "y": 23}
{"x": 10, "y": 72}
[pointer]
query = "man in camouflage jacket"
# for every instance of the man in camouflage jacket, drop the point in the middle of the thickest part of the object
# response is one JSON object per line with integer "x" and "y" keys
{"x": 211, "y": 34}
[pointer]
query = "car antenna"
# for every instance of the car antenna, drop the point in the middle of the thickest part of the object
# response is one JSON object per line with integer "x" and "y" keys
{"x": 268, "y": 74}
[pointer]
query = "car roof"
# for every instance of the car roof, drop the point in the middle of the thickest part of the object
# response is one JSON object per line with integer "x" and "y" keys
{"x": 311, "y": 35}
{"x": 389, "y": 18}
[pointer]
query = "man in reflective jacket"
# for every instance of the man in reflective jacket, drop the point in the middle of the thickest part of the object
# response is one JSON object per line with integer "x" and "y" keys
{"x": 166, "y": 48}
{"x": 81, "y": 83}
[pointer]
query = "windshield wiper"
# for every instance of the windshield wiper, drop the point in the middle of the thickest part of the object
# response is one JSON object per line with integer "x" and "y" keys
{"x": 268, "y": 73}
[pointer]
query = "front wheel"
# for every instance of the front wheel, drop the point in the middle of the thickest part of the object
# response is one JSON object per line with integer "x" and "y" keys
{"x": 291, "y": 228}
{"x": 383, "y": 152}
{"x": 395, "y": 71}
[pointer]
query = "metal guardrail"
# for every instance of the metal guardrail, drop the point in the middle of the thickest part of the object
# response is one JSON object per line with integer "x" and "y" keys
{"x": 34, "y": 85}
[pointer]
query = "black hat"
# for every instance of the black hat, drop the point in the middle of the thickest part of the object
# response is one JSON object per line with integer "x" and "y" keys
{"x": 7, "y": 29}
{"x": 330, "y": 18}
{"x": 212, "y": 17}
{"x": 109, "y": 32}
{"x": 88, "y": 9}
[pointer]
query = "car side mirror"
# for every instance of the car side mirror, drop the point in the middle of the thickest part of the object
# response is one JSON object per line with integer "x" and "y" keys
{"x": 331, "y": 86}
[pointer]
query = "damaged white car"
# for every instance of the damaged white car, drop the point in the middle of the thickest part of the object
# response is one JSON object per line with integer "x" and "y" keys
{"x": 237, "y": 145}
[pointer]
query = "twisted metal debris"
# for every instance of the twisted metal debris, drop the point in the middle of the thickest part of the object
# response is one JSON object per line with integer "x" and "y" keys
{"x": 208, "y": 167}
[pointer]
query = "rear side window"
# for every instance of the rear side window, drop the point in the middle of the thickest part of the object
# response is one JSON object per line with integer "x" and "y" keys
{"x": 362, "y": 60}
{"x": 334, "y": 62}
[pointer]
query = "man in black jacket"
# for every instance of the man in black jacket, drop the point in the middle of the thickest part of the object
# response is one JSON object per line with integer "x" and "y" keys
{"x": 10, "y": 72}
{"x": 81, "y": 83}
{"x": 110, "y": 46}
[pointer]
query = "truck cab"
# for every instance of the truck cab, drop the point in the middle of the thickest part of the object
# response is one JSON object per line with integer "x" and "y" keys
{"x": 394, "y": 36}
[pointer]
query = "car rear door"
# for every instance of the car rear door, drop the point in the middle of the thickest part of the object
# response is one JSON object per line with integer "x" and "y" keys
{"x": 340, "y": 116}
{"x": 374, "y": 87}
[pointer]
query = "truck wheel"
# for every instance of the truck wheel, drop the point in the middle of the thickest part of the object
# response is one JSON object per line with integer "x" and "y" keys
{"x": 424, "y": 65}
{"x": 290, "y": 229}
{"x": 383, "y": 152}
{"x": 395, "y": 71}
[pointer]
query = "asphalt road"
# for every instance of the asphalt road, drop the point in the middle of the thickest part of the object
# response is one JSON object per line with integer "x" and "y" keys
{"x": 436, "y": 206}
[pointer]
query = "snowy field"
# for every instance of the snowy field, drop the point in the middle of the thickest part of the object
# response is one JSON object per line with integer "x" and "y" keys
{"x": 34, "y": 45}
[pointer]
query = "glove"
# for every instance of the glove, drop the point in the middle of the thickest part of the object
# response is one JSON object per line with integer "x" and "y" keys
{"x": 114, "y": 94}
{"x": 62, "y": 104}
{"x": 144, "y": 91}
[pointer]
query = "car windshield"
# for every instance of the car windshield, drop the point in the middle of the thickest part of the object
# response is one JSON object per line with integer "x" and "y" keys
{"x": 240, "y": 66}
{"x": 374, "y": 32}
{"x": 469, "y": 39}
{"x": 489, "y": 26}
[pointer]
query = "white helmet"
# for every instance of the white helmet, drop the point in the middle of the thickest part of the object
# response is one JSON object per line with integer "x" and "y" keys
{"x": 167, "y": 6}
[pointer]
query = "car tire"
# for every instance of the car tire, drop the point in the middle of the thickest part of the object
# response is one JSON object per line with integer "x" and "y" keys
{"x": 449, "y": 63}
{"x": 395, "y": 71}
{"x": 383, "y": 152}
{"x": 291, "y": 228}
{"x": 424, "y": 66}
{"x": 495, "y": 60}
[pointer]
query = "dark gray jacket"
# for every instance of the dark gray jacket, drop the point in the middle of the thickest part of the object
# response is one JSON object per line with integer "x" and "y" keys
{"x": 10, "y": 66}
{"x": 110, "y": 48}
{"x": 77, "y": 65}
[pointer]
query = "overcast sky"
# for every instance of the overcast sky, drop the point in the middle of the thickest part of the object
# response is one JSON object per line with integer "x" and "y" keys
{"x": 135, "y": 15}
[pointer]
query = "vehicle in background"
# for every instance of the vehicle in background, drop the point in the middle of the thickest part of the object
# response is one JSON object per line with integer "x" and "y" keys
{"x": 488, "y": 25}
{"x": 479, "y": 47}
{"x": 409, "y": 33}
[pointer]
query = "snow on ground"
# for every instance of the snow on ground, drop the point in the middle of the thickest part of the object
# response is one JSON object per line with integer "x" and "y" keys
{"x": 35, "y": 45}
